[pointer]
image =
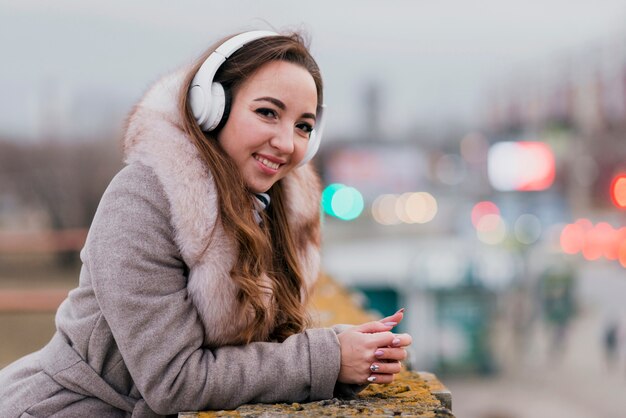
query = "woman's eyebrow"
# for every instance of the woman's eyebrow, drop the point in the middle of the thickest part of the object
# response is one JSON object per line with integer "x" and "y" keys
{"x": 272, "y": 100}
{"x": 309, "y": 116}
{"x": 279, "y": 104}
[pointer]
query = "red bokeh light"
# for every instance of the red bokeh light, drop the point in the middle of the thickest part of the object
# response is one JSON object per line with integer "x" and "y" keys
{"x": 618, "y": 191}
{"x": 572, "y": 239}
{"x": 607, "y": 240}
{"x": 594, "y": 242}
{"x": 585, "y": 224}
{"x": 481, "y": 209}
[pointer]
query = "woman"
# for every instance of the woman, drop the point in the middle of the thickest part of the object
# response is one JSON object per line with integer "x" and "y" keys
{"x": 193, "y": 289}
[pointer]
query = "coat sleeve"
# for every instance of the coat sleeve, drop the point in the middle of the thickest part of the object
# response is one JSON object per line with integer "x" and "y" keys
{"x": 140, "y": 285}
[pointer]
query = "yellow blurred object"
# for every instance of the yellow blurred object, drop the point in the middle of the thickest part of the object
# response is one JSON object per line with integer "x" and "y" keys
{"x": 332, "y": 304}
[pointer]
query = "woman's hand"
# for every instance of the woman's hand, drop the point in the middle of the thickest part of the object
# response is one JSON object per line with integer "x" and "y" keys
{"x": 371, "y": 353}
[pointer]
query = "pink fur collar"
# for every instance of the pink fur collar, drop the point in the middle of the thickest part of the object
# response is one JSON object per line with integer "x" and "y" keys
{"x": 154, "y": 138}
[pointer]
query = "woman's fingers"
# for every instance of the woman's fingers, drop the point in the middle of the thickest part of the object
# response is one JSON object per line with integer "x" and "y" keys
{"x": 401, "y": 340}
{"x": 384, "y": 367}
{"x": 375, "y": 327}
{"x": 381, "y": 378}
{"x": 396, "y": 317}
{"x": 371, "y": 350}
{"x": 387, "y": 339}
{"x": 387, "y": 353}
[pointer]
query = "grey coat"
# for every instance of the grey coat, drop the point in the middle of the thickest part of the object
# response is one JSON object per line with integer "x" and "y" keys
{"x": 151, "y": 329}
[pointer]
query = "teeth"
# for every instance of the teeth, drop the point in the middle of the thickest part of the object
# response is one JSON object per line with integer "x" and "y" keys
{"x": 267, "y": 162}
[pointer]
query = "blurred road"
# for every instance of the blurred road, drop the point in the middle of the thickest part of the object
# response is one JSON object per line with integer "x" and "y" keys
{"x": 575, "y": 382}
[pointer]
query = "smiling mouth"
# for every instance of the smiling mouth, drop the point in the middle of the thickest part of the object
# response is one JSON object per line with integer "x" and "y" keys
{"x": 267, "y": 163}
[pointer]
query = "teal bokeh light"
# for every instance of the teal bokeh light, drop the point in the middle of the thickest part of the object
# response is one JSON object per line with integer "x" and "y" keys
{"x": 343, "y": 202}
{"x": 327, "y": 197}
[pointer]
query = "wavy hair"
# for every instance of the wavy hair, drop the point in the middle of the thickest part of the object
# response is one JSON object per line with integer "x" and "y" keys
{"x": 269, "y": 248}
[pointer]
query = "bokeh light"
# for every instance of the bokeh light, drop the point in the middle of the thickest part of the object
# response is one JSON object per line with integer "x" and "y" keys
{"x": 421, "y": 207}
{"x": 327, "y": 197}
{"x": 594, "y": 241}
{"x": 522, "y": 166}
{"x": 527, "y": 229}
{"x": 606, "y": 240}
{"x": 384, "y": 210}
{"x": 491, "y": 229}
{"x": 572, "y": 239}
{"x": 481, "y": 209}
{"x": 347, "y": 203}
{"x": 410, "y": 208}
{"x": 618, "y": 191}
{"x": 343, "y": 202}
{"x": 593, "y": 248}
{"x": 401, "y": 208}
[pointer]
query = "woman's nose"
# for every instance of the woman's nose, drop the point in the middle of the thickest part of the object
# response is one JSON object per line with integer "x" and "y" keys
{"x": 283, "y": 140}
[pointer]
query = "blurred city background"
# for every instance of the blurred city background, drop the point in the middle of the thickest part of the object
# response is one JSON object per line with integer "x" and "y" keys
{"x": 474, "y": 165}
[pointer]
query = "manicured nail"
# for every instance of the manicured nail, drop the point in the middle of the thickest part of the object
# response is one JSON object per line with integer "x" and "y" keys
{"x": 374, "y": 367}
{"x": 379, "y": 353}
{"x": 390, "y": 324}
{"x": 371, "y": 379}
{"x": 395, "y": 342}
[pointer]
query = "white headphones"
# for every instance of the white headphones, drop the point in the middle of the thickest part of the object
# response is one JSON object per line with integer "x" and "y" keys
{"x": 207, "y": 97}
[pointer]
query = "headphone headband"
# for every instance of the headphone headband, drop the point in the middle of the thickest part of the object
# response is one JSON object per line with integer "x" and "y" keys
{"x": 207, "y": 97}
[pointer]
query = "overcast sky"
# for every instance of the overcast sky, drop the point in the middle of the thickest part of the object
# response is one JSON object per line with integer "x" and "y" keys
{"x": 434, "y": 61}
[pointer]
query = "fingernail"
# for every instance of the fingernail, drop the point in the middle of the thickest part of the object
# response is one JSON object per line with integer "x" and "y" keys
{"x": 371, "y": 379}
{"x": 400, "y": 310}
{"x": 390, "y": 324}
{"x": 396, "y": 341}
{"x": 374, "y": 367}
{"x": 379, "y": 353}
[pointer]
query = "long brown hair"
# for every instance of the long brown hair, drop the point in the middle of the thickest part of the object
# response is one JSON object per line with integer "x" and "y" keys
{"x": 270, "y": 248}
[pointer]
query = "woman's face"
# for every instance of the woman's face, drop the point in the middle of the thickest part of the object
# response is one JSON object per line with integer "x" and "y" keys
{"x": 271, "y": 115}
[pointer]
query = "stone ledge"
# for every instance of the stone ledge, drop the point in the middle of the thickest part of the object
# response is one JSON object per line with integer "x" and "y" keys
{"x": 411, "y": 395}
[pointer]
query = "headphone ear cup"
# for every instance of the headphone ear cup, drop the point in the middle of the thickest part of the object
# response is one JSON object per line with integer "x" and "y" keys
{"x": 198, "y": 102}
{"x": 316, "y": 136}
{"x": 311, "y": 149}
{"x": 205, "y": 97}
{"x": 228, "y": 99}
{"x": 216, "y": 104}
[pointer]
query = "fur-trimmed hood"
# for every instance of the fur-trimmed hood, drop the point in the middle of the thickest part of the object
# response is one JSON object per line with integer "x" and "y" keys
{"x": 154, "y": 138}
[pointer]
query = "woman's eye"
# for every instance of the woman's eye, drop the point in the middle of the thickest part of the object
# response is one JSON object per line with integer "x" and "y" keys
{"x": 305, "y": 127}
{"x": 269, "y": 113}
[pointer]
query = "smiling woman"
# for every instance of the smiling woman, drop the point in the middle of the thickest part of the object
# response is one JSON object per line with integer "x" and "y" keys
{"x": 200, "y": 259}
